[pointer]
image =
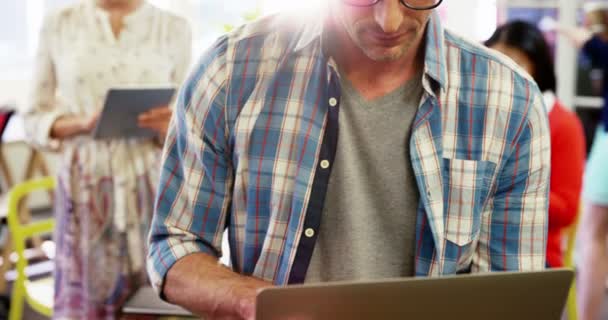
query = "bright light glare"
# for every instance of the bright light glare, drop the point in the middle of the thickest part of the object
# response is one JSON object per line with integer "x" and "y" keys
{"x": 473, "y": 19}
{"x": 272, "y": 6}
{"x": 49, "y": 249}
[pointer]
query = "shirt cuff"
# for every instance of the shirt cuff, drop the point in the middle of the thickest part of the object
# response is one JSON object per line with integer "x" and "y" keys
{"x": 163, "y": 255}
{"x": 40, "y": 131}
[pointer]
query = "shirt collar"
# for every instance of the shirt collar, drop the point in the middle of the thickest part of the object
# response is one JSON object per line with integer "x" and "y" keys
{"x": 435, "y": 56}
{"x": 549, "y": 100}
{"x": 137, "y": 14}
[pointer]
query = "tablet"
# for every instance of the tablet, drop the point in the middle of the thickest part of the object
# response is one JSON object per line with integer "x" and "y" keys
{"x": 122, "y": 106}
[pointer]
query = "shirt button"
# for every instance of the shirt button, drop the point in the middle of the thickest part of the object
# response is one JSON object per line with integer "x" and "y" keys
{"x": 324, "y": 164}
{"x": 309, "y": 233}
{"x": 333, "y": 102}
{"x": 428, "y": 194}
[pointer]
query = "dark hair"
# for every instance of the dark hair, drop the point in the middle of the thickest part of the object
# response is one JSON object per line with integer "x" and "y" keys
{"x": 530, "y": 40}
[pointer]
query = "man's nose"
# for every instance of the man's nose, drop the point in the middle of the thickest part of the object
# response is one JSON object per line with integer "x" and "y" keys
{"x": 389, "y": 15}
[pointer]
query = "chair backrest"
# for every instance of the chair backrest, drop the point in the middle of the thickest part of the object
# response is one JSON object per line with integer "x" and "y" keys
{"x": 571, "y": 233}
{"x": 571, "y": 309}
{"x": 21, "y": 232}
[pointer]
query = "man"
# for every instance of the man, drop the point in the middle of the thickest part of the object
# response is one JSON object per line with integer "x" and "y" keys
{"x": 367, "y": 144}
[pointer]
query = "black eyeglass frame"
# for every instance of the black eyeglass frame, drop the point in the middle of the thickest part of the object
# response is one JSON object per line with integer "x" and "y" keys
{"x": 403, "y": 2}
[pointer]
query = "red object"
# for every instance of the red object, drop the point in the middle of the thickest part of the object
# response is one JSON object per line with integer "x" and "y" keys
{"x": 567, "y": 165}
{"x": 4, "y": 117}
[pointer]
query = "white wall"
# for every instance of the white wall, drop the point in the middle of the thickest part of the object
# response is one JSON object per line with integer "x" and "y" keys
{"x": 13, "y": 92}
{"x": 473, "y": 19}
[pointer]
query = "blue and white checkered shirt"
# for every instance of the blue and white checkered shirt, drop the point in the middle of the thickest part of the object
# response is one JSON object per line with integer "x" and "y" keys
{"x": 251, "y": 146}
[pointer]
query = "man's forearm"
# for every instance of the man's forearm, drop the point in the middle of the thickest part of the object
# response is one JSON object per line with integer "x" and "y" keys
{"x": 200, "y": 284}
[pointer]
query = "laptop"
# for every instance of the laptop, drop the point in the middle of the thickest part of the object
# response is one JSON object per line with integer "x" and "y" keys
{"x": 498, "y": 296}
{"x": 146, "y": 302}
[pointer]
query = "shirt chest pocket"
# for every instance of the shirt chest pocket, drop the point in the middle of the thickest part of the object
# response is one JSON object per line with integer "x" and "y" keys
{"x": 466, "y": 188}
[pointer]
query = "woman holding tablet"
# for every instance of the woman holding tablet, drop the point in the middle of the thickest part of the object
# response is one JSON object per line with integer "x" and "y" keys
{"x": 104, "y": 196}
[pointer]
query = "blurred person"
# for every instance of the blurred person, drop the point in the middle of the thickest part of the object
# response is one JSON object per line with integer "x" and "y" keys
{"x": 593, "y": 231}
{"x": 592, "y": 39}
{"x": 364, "y": 142}
{"x": 526, "y": 45}
{"x": 105, "y": 189}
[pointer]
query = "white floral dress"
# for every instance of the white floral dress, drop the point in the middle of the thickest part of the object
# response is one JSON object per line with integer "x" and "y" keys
{"x": 104, "y": 198}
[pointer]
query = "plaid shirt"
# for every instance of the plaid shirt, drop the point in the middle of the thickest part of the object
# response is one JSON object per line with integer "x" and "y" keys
{"x": 251, "y": 146}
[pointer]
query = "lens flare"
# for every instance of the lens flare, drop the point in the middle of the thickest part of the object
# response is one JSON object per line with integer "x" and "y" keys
{"x": 272, "y": 6}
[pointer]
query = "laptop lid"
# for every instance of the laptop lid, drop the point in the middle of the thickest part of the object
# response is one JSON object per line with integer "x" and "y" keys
{"x": 498, "y": 296}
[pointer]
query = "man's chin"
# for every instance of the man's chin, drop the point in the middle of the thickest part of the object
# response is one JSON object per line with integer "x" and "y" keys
{"x": 384, "y": 55}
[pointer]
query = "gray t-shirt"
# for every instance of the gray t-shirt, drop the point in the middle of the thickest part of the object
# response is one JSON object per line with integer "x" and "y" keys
{"x": 368, "y": 224}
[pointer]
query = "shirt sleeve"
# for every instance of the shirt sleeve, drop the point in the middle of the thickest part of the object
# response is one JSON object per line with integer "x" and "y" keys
{"x": 514, "y": 223}
{"x": 42, "y": 109}
{"x": 193, "y": 194}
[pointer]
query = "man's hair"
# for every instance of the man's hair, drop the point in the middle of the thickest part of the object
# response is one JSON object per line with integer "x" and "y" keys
{"x": 531, "y": 41}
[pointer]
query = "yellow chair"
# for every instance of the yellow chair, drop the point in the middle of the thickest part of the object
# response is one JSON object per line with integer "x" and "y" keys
{"x": 38, "y": 293}
{"x": 571, "y": 310}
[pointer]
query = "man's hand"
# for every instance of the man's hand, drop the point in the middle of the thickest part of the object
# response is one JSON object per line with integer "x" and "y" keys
{"x": 200, "y": 284}
{"x": 246, "y": 298}
{"x": 156, "y": 119}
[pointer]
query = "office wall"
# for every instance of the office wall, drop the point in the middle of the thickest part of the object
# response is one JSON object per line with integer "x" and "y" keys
{"x": 474, "y": 19}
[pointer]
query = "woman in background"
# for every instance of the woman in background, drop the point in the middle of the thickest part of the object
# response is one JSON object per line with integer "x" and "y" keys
{"x": 526, "y": 45}
{"x": 104, "y": 196}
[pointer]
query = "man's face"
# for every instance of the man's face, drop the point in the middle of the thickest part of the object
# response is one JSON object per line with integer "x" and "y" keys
{"x": 385, "y": 31}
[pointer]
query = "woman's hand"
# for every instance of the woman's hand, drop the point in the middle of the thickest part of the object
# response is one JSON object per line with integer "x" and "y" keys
{"x": 578, "y": 36}
{"x": 89, "y": 122}
{"x": 156, "y": 119}
{"x": 68, "y": 126}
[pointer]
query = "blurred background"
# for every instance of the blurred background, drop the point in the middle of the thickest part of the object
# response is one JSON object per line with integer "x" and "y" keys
{"x": 579, "y": 83}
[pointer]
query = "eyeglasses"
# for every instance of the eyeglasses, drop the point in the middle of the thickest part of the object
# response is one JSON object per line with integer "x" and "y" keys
{"x": 411, "y": 4}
